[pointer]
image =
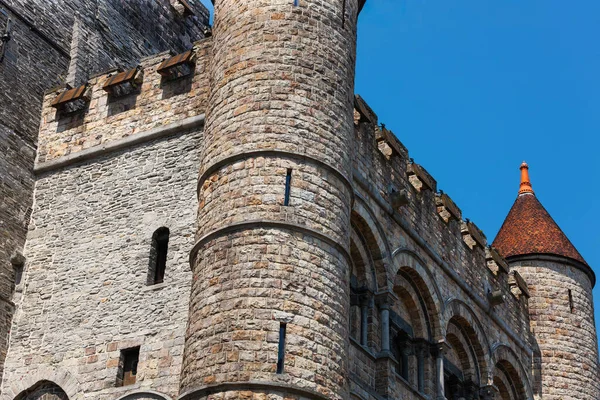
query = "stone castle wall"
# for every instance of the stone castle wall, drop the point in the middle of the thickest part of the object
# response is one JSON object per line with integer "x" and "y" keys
{"x": 369, "y": 266}
{"x": 52, "y": 42}
{"x": 108, "y": 179}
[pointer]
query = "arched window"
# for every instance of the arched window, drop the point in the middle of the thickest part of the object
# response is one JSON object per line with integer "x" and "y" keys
{"x": 43, "y": 390}
{"x": 158, "y": 256}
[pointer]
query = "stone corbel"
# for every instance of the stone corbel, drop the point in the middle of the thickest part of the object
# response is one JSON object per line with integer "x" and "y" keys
{"x": 488, "y": 392}
{"x": 17, "y": 259}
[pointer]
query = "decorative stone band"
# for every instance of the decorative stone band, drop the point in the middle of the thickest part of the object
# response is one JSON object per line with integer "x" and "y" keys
{"x": 184, "y": 125}
{"x": 556, "y": 258}
{"x": 203, "y": 391}
{"x": 208, "y": 171}
{"x": 247, "y": 225}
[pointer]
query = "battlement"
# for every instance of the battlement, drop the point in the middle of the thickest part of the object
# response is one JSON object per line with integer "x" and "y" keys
{"x": 410, "y": 195}
{"x": 119, "y": 104}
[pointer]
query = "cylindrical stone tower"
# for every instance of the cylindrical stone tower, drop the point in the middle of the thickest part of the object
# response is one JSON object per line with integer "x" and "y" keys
{"x": 561, "y": 306}
{"x": 269, "y": 301}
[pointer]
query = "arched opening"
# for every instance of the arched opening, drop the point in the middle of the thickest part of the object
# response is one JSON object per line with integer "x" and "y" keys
{"x": 412, "y": 327}
{"x": 467, "y": 364}
{"x": 158, "y": 256}
{"x": 361, "y": 289}
{"x": 43, "y": 390}
{"x": 509, "y": 376}
{"x": 461, "y": 366}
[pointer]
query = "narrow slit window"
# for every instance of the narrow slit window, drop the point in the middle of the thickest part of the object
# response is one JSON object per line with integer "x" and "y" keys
{"x": 343, "y": 13}
{"x": 128, "y": 366}
{"x": 571, "y": 305}
{"x": 281, "y": 352}
{"x": 288, "y": 186}
{"x": 158, "y": 256}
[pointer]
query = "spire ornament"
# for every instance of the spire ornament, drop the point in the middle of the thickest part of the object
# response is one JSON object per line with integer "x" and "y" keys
{"x": 525, "y": 182}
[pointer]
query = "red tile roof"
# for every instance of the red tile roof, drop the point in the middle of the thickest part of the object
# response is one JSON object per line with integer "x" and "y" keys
{"x": 529, "y": 229}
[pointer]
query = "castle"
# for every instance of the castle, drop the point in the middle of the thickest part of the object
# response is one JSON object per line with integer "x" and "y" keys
{"x": 228, "y": 220}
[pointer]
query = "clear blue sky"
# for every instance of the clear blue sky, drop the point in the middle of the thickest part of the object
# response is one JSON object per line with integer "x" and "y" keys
{"x": 474, "y": 87}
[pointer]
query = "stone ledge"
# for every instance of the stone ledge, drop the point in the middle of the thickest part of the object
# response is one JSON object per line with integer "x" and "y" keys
{"x": 269, "y": 153}
{"x": 203, "y": 391}
{"x": 156, "y": 286}
{"x": 266, "y": 224}
{"x": 129, "y": 141}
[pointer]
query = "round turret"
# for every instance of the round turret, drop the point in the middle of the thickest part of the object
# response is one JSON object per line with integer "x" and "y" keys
{"x": 269, "y": 301}
{"x": 561, "y": 306}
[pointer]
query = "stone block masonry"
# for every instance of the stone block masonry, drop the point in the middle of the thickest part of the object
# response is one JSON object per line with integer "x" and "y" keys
{"x": 50, "y": 43}
{"x": 86, "y": 274}
{"x": 308, "y": 256}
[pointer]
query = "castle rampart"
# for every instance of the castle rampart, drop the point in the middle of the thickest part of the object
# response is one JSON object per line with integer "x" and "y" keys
{"x": 289, "y": 249}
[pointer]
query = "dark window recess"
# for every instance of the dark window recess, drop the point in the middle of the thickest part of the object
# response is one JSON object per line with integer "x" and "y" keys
{"x": 158, "y": 256}
{"x": 18, "y": 274}
{"x": 177, "y": 66}
{"x": 281, "y": 352}
{"x": 288, "y": 186}
{"x": 344, "y": 13}
{"x": 128, "y": 365}
{"x": 571, "y": 305}
{"x": 5, "y": 37}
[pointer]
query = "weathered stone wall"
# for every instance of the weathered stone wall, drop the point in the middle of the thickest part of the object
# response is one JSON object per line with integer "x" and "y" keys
{"x": 281, "y": 100}
{"x": 157, "y": 102}
{"x": 84, "y": 294}
{"x": 28, "y": 66}
{"x": 276, "y": 98}
{"x": 100, "y": 35}
{"x": 566, "y": 355}
{"x": 52, "y": 42}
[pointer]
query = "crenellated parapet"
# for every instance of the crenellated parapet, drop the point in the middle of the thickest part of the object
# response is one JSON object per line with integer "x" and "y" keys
{"x": 454, "y": 260}
{"x": 162, "y": 90}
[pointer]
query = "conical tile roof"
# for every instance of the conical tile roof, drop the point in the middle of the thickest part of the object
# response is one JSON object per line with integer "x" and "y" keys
{"x": 529, "y": 228}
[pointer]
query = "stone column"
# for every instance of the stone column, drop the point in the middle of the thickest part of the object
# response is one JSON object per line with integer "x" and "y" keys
{"x": 440, "y": 349}
{"x": 384, "y": 312}
{"x": 421, "y": 349}
{"x": 364, "y": 319}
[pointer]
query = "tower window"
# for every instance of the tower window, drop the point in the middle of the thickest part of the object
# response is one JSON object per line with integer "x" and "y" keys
{"x": 158, "y": 256}
{"x": 281, "y": 353}
{"x": 288, "y": 184}
{"x": 571, "y": 305}
{"x": 128, "y": 365}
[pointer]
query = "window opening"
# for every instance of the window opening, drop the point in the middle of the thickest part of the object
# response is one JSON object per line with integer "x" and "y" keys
{"x": 288, "y": 184}
{"x": 571, "y": 305}
{"x": 281, "y": 352}
{"x": 158, "y": 256}
{"x": 128, "y": 366}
